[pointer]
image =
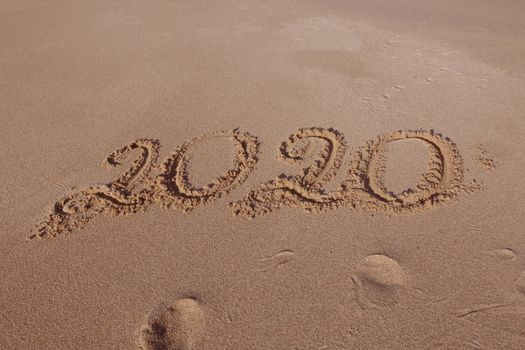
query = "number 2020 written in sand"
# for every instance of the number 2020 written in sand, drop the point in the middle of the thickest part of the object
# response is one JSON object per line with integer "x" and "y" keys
{"x": 167, "y": 184}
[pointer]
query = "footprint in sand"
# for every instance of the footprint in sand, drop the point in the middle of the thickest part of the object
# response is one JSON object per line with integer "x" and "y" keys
{"x": 381, "y": 270}
{"x": 173, "y": 327}
{"x": 504, "y": 254}
{"x": 379, "y": 279}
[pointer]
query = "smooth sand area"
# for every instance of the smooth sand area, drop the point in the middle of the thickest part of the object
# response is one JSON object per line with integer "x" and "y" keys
{"x": 190, "y": 175}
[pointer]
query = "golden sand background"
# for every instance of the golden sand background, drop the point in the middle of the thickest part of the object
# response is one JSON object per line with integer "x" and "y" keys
{"x": 81, "y": 80}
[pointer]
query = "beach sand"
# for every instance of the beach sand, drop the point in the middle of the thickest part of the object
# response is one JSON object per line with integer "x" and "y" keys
{"x": 262, "y": 175}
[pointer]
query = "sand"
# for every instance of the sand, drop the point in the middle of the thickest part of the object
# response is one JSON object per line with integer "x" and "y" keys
{"x": 262, "y": 175}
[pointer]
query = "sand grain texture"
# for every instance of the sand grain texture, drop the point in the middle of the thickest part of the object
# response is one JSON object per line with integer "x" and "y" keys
{"x": 275, "y": 175}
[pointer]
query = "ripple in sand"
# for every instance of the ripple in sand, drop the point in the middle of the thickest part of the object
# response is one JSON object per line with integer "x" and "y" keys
{"x": 173, "y": 327}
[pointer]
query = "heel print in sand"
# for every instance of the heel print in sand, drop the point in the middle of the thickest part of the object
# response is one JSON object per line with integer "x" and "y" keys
{"x": 173, "y": 327}
{"x": 378, "y": 281}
